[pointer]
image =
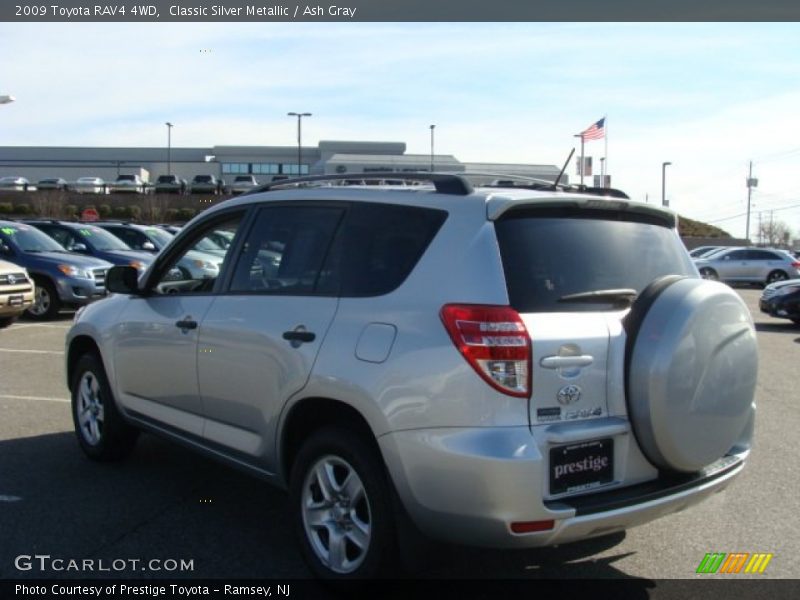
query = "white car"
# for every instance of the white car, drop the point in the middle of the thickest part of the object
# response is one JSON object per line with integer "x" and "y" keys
{"x": 90, "y": 185}
{"x": 18, "y": 184}
{"x": 242, "y": 184}
{"x": 128, "y": 183}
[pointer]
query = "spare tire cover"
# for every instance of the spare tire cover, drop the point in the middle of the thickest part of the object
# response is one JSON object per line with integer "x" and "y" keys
{"x": 691, "y": 374}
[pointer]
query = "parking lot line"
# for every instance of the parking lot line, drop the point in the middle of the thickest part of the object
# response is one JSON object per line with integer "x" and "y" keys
{"x": 12, "y": 350}
{"x": 50, "y": 325}
{"x": 35, "y": 398}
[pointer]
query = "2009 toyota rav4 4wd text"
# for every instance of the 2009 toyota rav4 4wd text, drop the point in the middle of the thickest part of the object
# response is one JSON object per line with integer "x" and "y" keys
{"x": 504, "y": 367}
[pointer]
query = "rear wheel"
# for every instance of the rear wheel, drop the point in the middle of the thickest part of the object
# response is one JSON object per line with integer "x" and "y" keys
{"x": 341, "y": 504}
{"x": 709, "y": 273}
{"x": 776, "y": 275}
{"x": 103, "y": 433}
{"x": 46, "y": 302}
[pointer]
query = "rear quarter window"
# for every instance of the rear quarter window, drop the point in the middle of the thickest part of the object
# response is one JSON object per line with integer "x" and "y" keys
{"x": 551, "y": 253}
{"x": 377, "y": 247}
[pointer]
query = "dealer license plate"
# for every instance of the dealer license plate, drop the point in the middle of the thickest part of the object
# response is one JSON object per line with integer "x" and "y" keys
{"x": 581, "y": 466}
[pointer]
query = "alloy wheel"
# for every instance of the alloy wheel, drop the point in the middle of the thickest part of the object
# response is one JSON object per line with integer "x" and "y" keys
{"x": 90, "y": 409}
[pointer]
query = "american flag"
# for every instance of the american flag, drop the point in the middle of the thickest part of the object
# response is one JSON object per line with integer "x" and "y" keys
{"x": 596, "y": 132}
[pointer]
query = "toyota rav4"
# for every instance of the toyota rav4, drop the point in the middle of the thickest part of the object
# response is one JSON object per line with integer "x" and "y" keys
{"x": 507, "y": 367}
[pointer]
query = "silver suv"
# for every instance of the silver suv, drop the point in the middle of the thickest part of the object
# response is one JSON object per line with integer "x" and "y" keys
{"x": 506, "y": 367}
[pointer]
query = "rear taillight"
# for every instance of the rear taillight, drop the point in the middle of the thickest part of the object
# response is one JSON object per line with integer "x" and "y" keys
{"x": 495, "y": 343}
{"x": 796, "y": 264}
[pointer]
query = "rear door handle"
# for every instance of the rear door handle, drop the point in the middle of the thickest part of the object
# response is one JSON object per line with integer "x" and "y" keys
{"x": 186, "y": 324}
{"x": 299, "y": 336}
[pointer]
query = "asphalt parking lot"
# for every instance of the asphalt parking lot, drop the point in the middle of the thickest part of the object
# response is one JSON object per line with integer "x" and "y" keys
{"x": 168, "y": 503}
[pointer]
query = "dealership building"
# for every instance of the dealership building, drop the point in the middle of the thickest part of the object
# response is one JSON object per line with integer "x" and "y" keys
{"x": 264, "y": 162}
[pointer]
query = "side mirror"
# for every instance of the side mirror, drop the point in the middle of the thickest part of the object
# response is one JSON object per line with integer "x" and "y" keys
{"x": 5, "y": 250}
{"x": 122, "y": 280}
{"x": 149, "y": 246}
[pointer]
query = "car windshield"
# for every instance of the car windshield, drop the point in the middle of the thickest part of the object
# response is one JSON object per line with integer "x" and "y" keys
{"x": 160, "y": 237}
{"x": 100, "y": 239}
{"x": 207, "y": 245}
{"x": 30, "y": 239}
{"x": 203, "y": 179}
{"x": 126, "y": 178}
{"x": 167, "y": 179}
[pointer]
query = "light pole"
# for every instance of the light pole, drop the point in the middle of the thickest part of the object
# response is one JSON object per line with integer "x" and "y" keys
{"x": 299, "y": 138}
{"x": 169, "y": 147}
{"x": 6, "y": 99}
{"x": 603, "y": 172}
{"x": 432, "y": 128}
{"x": 664, "y": 166}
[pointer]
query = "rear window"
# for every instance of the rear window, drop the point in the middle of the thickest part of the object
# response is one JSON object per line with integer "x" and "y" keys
{"x": 549, "y": 254}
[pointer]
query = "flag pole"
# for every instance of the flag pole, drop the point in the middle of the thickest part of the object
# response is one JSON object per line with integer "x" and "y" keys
{"x": 605, "y": 151}
{"x": 583, "y": 161}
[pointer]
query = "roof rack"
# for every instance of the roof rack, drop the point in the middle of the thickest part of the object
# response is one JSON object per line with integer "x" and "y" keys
{"x": 444, "y": 183}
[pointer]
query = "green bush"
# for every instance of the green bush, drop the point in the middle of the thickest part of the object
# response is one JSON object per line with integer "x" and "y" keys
{"x": 23, "y": 209}
{"x": 171, "y": 214}
{"x": 121, "y": 212}
{"x": 135, "y": 212}
{"x": 70, "y": 210}
{"x": 104, "y": 211}
{"x": 5, "y": 208}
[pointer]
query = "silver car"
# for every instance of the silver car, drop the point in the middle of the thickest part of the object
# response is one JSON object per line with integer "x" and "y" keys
{"x": 497, "y": 367}
{"x": 14, "y": 183}
{"x": 749, "y": 265}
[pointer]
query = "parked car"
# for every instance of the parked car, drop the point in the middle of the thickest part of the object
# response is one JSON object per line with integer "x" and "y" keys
{"x": 88, "y": 239}
{"x": 14, "y": 183}
{"x": 782, "y": 299}
{"x": 89, "y": 185}
{"x": 173, "y": 229}
{"x": 749, "y": 265}
{"x": 701, "y": 251}
{"x": 170, "y": 184}
{"x": 194, "y": 265}
{"x": 62, "y": 279}
{"x": 242, "y": 184}
{"x": 54, "y": 183}
{"x": 16, "y": 292}
{"x": 421, "y": 359}
{"x": 206, "y": 184}
{"x": 131, "y": 184}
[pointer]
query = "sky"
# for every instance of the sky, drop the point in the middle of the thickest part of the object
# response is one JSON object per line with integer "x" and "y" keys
{"x": 707, "y": 97}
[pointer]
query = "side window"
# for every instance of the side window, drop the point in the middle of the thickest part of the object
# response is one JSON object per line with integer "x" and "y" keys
{"x": 285, "y": 250}
{"x": 62, "y": 236}
{"x": 192, "y": 270}
{"x": 379, "y": 245}
{"x": 133, "y": 238}
{"x": 739, "y": 255}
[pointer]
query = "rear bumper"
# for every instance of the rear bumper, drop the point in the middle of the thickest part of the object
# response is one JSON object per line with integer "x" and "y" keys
{"x": 468, "y": 485}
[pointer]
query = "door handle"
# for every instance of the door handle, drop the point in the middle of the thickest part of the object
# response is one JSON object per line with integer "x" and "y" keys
{"x": 187, "y": 323}
{"x": 562, "y": 362}
{"x": 299, "y": 336}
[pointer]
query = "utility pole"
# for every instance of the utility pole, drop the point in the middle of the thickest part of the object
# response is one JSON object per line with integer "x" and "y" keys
{"x": 432, "y": 128}
{"x": 760, "y": 229}
{"x": 751, "y": 183}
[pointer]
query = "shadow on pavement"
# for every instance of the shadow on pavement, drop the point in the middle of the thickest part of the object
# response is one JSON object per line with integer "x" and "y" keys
{"x": 165, "y": 502}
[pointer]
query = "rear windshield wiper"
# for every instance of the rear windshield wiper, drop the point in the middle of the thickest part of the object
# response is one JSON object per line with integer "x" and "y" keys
{"x": 622, "y": 296}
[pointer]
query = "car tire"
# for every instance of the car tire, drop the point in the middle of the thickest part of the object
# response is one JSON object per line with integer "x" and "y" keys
{"x": 776, "y": 275}
{"x": 709, "y": 273}
{"x": 341, "y": 506}
{"x": 46, "y": 302}
{"x": 690, "y": 372}
{"x": 6, "y": 321}
{"x": 103, "y": 434}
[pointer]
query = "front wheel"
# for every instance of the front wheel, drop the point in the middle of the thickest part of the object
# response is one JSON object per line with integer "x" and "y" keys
{"x": 46, "y": 302}
{"x": 103, "y": 433}
{"x": 341, "y": 504}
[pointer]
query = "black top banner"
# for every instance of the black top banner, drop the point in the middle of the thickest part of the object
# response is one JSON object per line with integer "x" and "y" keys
{"x": 398, "y": 10}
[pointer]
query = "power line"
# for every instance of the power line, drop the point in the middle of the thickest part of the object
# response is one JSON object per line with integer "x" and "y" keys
{"x": 745, "y": 214}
